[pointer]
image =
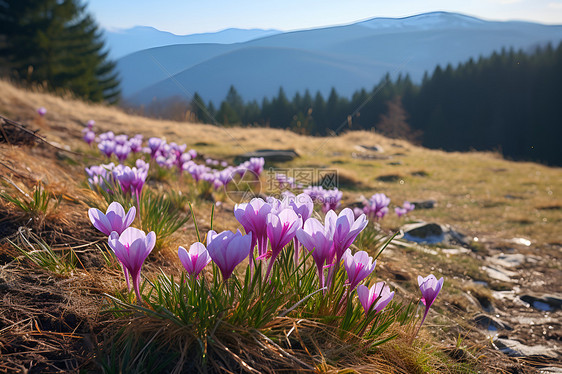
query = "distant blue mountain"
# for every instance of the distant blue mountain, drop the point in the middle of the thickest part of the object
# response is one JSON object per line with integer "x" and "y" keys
{"x": 126, "y": 41}
{"x": 345, "y": 57}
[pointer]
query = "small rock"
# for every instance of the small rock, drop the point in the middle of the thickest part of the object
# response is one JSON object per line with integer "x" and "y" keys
{"x": 499, "y": 273}
{"x": 423, "y": 232}
{"x": 508, "y": 260}
{"x": 364, "y": 156}
{"x": 270, "y": 155}
{"x": 515, "y": 348}
{"x": 419, "y": 173}
{"x": 455, "y": 251}
{"x": 491, "y": 323}
{"x": 373, "y": 148}
{"x": 432, "y": 233}
{"x": 522, "y": 241}
{"x": 424, "y": 204}
{"x": 389, "y": 178}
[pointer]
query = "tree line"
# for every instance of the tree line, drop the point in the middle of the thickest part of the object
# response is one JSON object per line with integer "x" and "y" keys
{"x": 508, "y": 102}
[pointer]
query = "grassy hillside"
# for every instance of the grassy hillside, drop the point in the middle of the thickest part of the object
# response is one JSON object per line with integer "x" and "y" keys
{"x": 491, "y": 200}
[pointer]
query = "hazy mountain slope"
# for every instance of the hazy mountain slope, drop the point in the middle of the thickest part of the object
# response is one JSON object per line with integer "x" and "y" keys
{"x": 261, "y": 69}
{"x": 144, "y": 68}
{"x": 126, "y": 41}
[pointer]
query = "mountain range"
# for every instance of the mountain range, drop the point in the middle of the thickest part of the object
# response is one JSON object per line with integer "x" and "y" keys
{"x": 346, "y": 57}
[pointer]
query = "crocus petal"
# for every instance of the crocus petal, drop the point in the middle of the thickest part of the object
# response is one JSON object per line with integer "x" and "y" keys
{"x": 100, "y": 221}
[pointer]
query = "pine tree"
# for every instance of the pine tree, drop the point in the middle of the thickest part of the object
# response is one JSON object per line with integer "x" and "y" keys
{"x": 57, "y": 44}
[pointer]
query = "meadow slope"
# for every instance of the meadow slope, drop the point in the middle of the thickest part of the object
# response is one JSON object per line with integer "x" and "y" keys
{"x": 501, "y": 206}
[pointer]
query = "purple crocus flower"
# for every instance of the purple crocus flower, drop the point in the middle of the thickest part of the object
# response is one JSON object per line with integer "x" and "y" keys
{"x": 379, "y": 294}
{"x": 228, "y": 249}
{"x": 121, "y": 139}
{"x": 142, "y": 165}
{"x": 130, "y": 179}
{"x": 42, "y": 111}
{"x": 99, "y": 175}
{"x": 131, "y": 248}
{"x": 281, "y": 229}
{"x": 114, "y": 218}
{"x": 347, "y": 229}
{"x": 196, "y": 171}
{"x": 400, "y": 211}
{"x": 318, "y": 239}
{"x": 90, "y": 124}
{"x": 195, "y": 260}
{"x": 302, "y": 205}
{"x": 122, "y": 152}
{"x": 404, "y": 209}
{"x": 89, "y": 137}
{"x": 136, "y": 143}
{"x": 255, "y": 165}
{"x": 429, "y": 287}
{"x": 331, "y": 199}
{"x": 154, "y": 145}
{"x": 107, "y": 136}
{"x": 377, "y": 206}
{"x": 358, "y": 267}
{"x": 107, "y": 147}
{"x": 408, "y": 206}
{"x": 315, "y": 192}
{"x": 253, "y": 217}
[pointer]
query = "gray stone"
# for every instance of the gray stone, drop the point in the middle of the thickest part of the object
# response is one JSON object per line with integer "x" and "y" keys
{"x": 422, "y": 232}
{"x": 424, "y": 204}
{"x": 368, "y": 156}
{"x": 455, "y": 251}
{"x": 491, "y": 323}
{"x": 389, "y": 178}
{"x": 419, "y": 173}
{"x": 508, "y": 260}
{"x": 372, "y": 148}
{"x": 499, "y": 273}
{"x": 515, "y": 348}
{"x": 432, "y": 233}
{"x": 270, "y": 155}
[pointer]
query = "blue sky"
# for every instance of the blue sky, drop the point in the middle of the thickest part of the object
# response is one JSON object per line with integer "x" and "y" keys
{"x": 188, "y": 17}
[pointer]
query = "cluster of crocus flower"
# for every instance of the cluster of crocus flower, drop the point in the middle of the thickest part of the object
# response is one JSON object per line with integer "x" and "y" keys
{"x": 107, "y": 176}
{"x": 169, "y": 155}
{"x": 220, "y": 178}
{"x": 131, "y": 246}
{"x": 110, "y": 144}
{"x": 132, "y": 179}
{"x": 271, "y": 225}
{"x": 376, "y": 207}
{"x": 406, "y": 208}
{"x": 328, "y": 199}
